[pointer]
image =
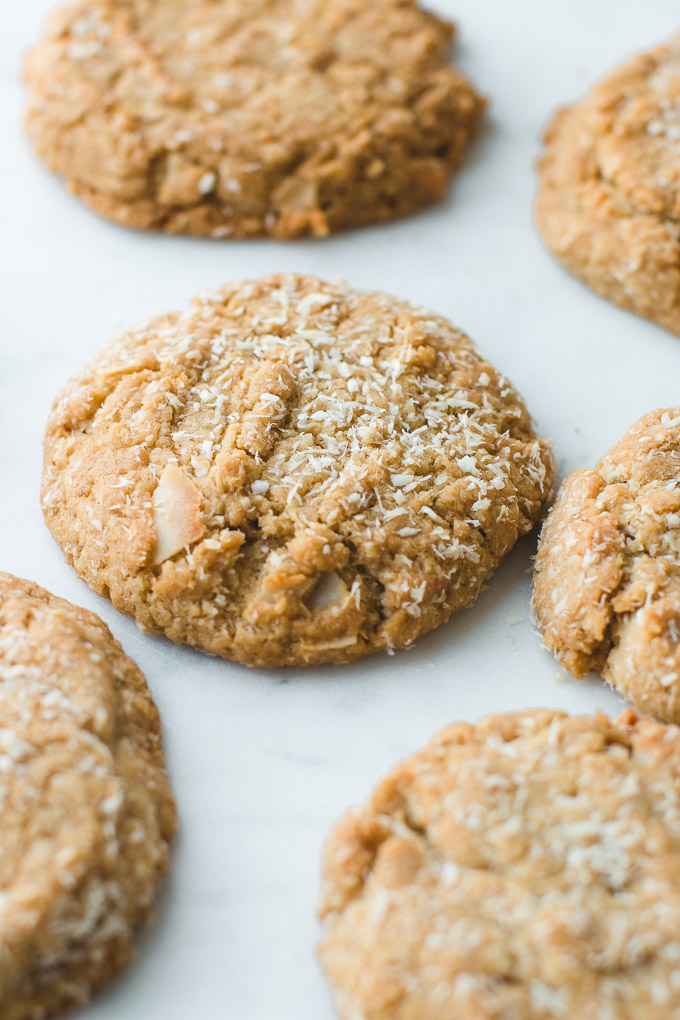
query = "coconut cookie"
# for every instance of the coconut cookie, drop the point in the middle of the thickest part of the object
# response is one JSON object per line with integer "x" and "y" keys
{"x": 87, "y": 812}
{"x": 291, "y": 472}
{"x": 235, "y": 118}
{"x": 609, "y": 187}
{"x": 607, "y": 578}
{"x": 527, "y": 867}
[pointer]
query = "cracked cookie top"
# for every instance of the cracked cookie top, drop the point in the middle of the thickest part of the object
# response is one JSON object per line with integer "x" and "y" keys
{"x": 87, "y": 812}
{"x": 609, "y": 186}
{"x": 607, "y": 577}
{"x": 291, "y": 472}
{"x": 524, "y": 867}
{"x": 249, "y": 117}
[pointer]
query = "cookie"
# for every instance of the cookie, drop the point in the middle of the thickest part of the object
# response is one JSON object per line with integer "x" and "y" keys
{"x": 87, "y": 812}
{"x": 524, "y": 868}
{"x": 609, "y": 187}
{"x": 236, "y": 118}
{"x": 291, "y": 472}
{"x": 607, "y": 577}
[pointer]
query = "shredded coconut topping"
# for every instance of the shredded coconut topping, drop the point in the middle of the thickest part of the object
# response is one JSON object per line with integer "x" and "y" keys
{"x": 525, "y": 867}
{"x": 324, "y": 430}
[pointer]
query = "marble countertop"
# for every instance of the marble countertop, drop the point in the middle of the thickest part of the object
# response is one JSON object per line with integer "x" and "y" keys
{"x": 262, "y": 763}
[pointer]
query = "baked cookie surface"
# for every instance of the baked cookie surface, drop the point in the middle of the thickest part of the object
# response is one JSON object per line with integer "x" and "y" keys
{"x": 87, "y": 812}
{"x": 250, "y": 117}
{"x": 291, "y": 472}
{"x": 607, "y": 573}
{"x": 526, "y": 867}
{"x": 609, "y": 186}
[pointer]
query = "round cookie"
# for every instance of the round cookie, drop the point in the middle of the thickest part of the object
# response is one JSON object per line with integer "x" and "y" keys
{"x": 87, "y": 812}
{"x": 607, "y": 573}
{"x": 609, "y": 187}
{"x": 291, "y": 472}
{"x": 527, "y": 867}
{"x": 241, "y": 118}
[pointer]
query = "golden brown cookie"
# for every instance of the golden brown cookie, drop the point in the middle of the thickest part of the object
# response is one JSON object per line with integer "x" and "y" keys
{"x": 609, "y": 187}
{"x": 525, "y": 868}
{"x": 607, "y": 577}
{"x": 291, "y": 472}
{"x": 240, "y": 118}
{"x": 87, "y": 812}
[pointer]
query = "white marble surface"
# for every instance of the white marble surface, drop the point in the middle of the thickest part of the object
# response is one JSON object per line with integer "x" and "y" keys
{"x": 263, "y": 763}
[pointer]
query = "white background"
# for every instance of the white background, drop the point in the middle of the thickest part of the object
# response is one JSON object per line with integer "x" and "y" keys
{"x": 262, "y": 763}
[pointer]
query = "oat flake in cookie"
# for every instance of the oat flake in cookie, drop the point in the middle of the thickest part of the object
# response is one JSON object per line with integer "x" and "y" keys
{"x": 525, "y": 868}
{"x": 87, "y": 812}
{"x": 609, "y": 186}
{"x": 291, "y": 472}
{"x": 607, "y": 578}
{"x": 249, "y": 117}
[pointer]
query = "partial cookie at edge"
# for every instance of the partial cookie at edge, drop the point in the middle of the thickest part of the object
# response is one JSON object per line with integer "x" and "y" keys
{"x": 525, "y": 866}
{"x": 608, "y": 200}
{"x": 607, "y": 574}
{"x": 86, "y": 806}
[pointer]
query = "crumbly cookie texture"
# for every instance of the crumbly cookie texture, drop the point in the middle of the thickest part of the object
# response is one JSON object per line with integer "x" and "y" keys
{"x": 524, "y": 868}
{"x": 240, "y": 118}
{"x": 291, "y": 472}
{"x": 87, "y": 812}
{"x": 607, "y": 576}
{"x": 609, "y": 187}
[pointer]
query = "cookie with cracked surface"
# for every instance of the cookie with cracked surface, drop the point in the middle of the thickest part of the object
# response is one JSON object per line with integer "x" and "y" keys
{"x": 609, "y": 187}
{"x": 291, "y": 472}
{"x": 607, "y": 573}
{"x": 239, "y": 118}
{"x": 87, "y": 812}
{"x": 524, "y": 867}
